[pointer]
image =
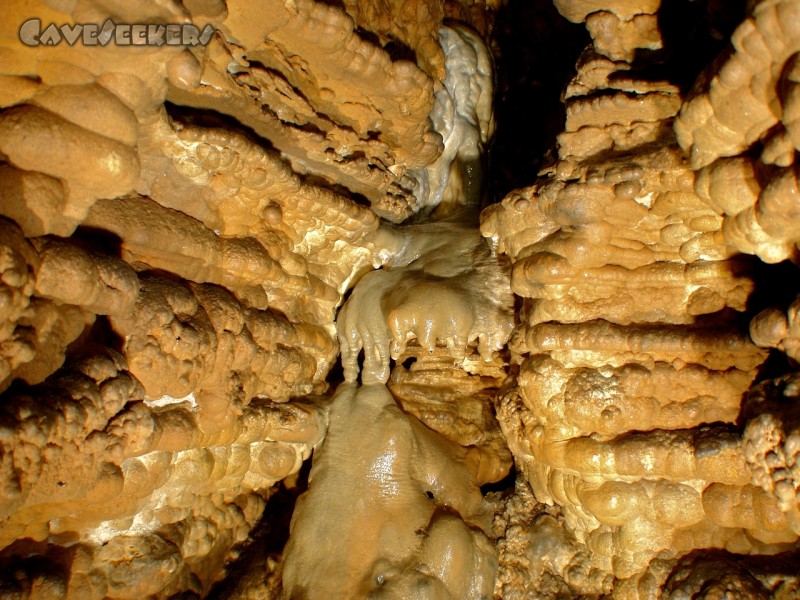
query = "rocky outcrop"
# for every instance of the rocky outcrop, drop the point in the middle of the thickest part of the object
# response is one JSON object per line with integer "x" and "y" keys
{"x": 334, "y": 103}
{"x": 631, "y": 363}
{"x": 146, "y": 499}
{"x": 192, "y": 235}
{"x": 184, "y": 272}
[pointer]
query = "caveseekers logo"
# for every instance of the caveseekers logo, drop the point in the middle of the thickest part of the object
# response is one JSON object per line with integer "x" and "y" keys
{"x": 120, "y": 34}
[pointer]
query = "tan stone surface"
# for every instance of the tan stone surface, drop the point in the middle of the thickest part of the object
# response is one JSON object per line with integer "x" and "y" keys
{"x": 384, "y": 508}
{"x": 772, "y": 442}
{"x": 412, "y": 24}
{"x": 734, "y": 105}
{"x": 620, "y": 109}
{"x": 626, "y": 9}
{"x": 34, "y": 331}
{"x": 153, "y": 501}
{"x": 189, "y": 222}
{"x": 620, "y": 39}
{"x": 620, "y": 29}
{"x": 71, "y": 275}
{"x": 35, "y": 139}
{"x": 443, "y": 287}
{"x": 773, "y": 328}
{"x": 594, "y": 71}
{"x": 576, "y": 344}
{"x": 631, "y": 369}
{"x": 634, "y": 397}
{"x": 222, "y": 179}
{"x": 17, "y": 283}
{"x": 711, "y": 576}
{"x": 539, "y": 557}
{"x": 93, "y": 108}
{"x": 35, "y": 201}
{"x": 170, "y": 240}
{"x": 79, "y": 108}
{"x": 196, "y": 339}
{"x": 344, "y": 111}
{"x": 454, "y": 398}
{"x": 748, "y": 100}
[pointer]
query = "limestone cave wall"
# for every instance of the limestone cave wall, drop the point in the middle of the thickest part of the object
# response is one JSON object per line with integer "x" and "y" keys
{"x": 579, "y": 355}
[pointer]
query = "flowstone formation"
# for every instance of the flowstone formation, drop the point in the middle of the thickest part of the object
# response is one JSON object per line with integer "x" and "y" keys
{"x": 393, "y": 510}
{"x": 401, "y": 499}
{"x": 587, "y": 389}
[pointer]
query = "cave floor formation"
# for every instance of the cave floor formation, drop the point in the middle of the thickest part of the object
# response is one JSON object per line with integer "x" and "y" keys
{"x": 451, "y": 299}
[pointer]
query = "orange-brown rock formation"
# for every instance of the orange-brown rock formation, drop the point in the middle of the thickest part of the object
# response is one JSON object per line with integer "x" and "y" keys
{"x": 747, "y": 101}
{"x": 405, "y": 504}
{"x": 205, "y": 261}
{"x": 146, "y": 498}
{"x": 629, "y": 363}
{"x": 193, "y": 234}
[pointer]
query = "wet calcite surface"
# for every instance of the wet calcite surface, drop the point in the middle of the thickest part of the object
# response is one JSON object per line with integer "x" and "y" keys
{"x": 403, "y": 500}
{"x": 194, "y": 240}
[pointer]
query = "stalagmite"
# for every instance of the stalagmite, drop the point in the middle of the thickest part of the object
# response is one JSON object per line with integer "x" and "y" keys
{"x": 393, "y": 510}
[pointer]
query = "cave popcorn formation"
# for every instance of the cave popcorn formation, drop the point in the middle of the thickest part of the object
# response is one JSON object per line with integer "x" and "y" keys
{"x": 182, "y": 224}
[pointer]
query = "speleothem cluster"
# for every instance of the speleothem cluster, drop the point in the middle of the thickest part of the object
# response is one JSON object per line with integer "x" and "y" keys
{"x": 193, "y": 238}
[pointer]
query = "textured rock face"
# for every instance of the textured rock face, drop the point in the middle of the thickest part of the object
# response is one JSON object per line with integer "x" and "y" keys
{"x": 401, "y": 495}
{"x": 748, "y": 101}
{"x": 772, "y": 442}
{"x": 193, "y": 287}
{"x": 146, "y": 497}
{"x": 339, "y": 107}
{"x": 192, "y": 293}
{"x": 631, "y": 365}
{"x": 192, "y": 237}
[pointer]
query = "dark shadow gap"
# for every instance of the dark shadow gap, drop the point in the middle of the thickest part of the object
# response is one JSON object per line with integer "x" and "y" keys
{"x": 505, "y": 485}
{"x": 535, "y": 51}
{"x": 265, "y": 542}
